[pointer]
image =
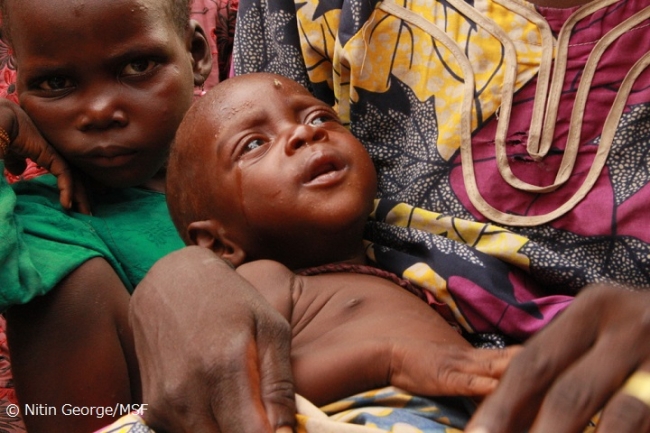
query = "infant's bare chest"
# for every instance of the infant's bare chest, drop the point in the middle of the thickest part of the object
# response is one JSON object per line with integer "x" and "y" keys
{"x": 335, "y": 303}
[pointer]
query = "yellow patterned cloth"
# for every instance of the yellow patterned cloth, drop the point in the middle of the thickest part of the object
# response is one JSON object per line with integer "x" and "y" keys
{"x": 380, "y": 411}
{"x": 383, "y": 410}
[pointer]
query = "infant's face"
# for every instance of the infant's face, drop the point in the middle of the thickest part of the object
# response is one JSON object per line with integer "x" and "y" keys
{"x": 106, "y": 82}
{"x": 287, "y": 167}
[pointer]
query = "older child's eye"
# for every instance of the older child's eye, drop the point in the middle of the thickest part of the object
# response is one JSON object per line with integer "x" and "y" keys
{"x": 55, "y": 83}
{"x": 138, "y": 67}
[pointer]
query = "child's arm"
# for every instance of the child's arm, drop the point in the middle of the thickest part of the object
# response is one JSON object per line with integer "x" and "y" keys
{"x": 73, "y": 348}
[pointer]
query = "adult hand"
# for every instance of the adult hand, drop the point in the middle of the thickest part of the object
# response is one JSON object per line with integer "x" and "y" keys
{"x": 577, "y": 366}
{"x": 25, "y": 141}
{"x": 213, "y": 355}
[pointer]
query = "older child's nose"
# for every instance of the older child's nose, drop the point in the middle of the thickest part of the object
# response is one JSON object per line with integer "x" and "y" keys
{"x": 303, "y": 135}
{"x": 102, "y": 111}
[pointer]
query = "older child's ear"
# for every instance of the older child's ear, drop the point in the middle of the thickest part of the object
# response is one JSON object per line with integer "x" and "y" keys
{"x": 210, "y": 234}
{"x": 199, "y": 49}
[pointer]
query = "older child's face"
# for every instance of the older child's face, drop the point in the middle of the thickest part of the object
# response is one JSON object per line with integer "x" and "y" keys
{"x": 106, "y": 82}
{"x": 291, "y": 174}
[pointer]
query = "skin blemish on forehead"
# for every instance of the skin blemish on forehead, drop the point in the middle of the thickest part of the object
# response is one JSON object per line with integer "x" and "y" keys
{"x": 228, "y": 110}
{"x": 277, "y": 83}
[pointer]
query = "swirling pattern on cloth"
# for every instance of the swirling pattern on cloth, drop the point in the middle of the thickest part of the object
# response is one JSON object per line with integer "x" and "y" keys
{"x": 473, "y": 270}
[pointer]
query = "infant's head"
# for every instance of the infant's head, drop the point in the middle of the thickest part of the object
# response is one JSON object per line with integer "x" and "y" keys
{"x": 263, "y": 170}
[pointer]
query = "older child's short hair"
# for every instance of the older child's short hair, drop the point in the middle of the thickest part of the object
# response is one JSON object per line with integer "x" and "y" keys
{"x": 179, "y": 11}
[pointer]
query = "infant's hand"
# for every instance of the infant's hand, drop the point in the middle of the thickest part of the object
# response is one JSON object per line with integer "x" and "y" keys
{"x": 447, "y": 369}
{"x": 25, "y": 141}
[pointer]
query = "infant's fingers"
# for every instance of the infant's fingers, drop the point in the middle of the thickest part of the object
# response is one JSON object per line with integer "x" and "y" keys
{"x": 490, "y": 362}
{"x": 458, "y": 383}
{"x": 471, "y": 372}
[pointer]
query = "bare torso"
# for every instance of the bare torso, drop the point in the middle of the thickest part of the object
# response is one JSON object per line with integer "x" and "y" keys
{"x": 344, "y": 326}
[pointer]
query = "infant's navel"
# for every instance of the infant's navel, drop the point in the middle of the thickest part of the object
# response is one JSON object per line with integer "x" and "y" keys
{"x": 353, "y": 302}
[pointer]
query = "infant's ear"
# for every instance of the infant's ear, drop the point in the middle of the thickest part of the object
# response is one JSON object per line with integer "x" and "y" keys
{"x": 211, "y": 234}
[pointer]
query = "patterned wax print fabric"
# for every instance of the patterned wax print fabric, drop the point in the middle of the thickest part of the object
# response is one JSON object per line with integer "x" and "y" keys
{"x": 379, "y": 411}
{"x": 522, "y": 130}
{"x": 475, "y": 283}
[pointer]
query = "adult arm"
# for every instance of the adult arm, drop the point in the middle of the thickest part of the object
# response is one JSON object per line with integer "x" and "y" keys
{"x": 213, "y": 355}
{"x": 575, "y": 367}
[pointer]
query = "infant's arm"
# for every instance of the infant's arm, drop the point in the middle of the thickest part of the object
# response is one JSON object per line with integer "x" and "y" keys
{"x": 274, "y": 281}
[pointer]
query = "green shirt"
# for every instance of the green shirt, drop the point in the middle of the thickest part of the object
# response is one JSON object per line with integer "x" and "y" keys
{"x": 41, "y": 242}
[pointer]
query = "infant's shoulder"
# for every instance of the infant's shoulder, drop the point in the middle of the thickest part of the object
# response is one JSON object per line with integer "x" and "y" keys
{"x": 267, "y": 273}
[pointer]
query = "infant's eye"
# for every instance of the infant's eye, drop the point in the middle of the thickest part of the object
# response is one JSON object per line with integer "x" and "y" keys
{"x": 253, "y": 144}
{"x": 55, "y": 83}
{"x": 138, "y": 67}
{"x": 319, "y": 120}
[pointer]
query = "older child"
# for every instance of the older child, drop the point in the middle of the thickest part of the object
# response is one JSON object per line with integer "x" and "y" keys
{"x": 284, "y": 191}
{"x": 106, "y": 84}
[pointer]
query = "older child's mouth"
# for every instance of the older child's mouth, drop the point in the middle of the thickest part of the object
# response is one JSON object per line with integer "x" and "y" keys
{"x": 110, "y": 155}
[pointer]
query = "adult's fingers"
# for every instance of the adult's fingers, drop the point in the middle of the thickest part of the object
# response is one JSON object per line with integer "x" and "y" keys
{"x": 278, "y": 392}
{"x": 629, "y": 410}
{"x": 442, "y": 369}
{"x": 571, "y": 368}
{"x": 254, "y": 395}
{"x": 585, "y": 386}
